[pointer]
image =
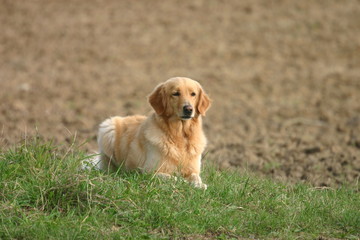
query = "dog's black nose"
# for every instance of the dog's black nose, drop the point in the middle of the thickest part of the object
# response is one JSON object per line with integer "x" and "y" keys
{"x": 188, "y": 109}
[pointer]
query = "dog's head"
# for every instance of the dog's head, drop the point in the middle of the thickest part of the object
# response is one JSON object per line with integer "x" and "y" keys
{"x": 181, "y": 98}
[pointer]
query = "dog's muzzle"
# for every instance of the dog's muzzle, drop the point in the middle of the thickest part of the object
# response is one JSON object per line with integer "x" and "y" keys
{"x": 187, "y": 112}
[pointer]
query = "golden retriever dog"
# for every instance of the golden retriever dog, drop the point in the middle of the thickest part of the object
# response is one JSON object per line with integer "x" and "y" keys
{"x": 169, "y": 141}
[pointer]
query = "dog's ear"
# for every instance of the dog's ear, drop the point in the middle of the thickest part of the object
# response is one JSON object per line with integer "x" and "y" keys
{"x": 156, "y": 99}
{"x": 203, "y": 103}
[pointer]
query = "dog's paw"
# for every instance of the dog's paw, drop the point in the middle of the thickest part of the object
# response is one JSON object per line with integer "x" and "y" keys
{"x": 166, "y": 176}
{"x": 200, "y": 185}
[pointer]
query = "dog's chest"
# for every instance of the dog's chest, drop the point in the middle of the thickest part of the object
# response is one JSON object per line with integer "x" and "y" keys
{"x": 181, "y": 150}
{"x": 169, "y": 156}
{"x": 175, "y": 145}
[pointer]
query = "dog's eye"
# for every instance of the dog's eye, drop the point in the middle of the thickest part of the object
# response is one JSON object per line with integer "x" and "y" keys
{"x": 176, "y": 94}
{"x": 193, "y": 94}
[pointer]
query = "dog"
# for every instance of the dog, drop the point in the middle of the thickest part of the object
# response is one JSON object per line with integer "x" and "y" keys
{"x": 167, "y": 142}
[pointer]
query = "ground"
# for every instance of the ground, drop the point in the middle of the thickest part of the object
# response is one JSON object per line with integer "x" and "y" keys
{"x": 283, "y": 75}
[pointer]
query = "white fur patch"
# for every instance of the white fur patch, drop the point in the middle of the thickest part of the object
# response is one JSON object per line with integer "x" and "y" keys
{"x": 106, "y": 137}
{"x": 93, "y": 162}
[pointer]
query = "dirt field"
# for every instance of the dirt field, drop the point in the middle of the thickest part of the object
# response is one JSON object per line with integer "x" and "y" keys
{"x": 284, "y": 76}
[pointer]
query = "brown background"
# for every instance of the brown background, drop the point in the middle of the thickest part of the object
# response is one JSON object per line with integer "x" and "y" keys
{"x": 284, "y": 76}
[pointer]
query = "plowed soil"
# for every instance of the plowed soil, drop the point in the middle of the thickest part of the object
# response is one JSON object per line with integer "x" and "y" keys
{"x": 284, "y": 76}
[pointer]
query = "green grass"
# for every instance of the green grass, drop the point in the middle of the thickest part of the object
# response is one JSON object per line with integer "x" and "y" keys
{"x": 44, "y": 195}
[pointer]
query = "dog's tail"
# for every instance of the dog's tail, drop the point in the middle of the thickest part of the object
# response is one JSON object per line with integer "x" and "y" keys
{"x": 106, "y": 142}
{"x": 106, "y": 137}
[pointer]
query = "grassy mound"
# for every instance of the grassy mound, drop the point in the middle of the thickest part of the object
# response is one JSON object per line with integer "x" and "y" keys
{"x": 44, "y": 194}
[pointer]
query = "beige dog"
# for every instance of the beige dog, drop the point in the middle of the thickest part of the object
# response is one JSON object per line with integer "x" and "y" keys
{"x": 169, "y": 141}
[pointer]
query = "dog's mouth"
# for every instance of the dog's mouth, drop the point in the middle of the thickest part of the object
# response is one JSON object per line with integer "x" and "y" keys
{"x": 186, "y": 117}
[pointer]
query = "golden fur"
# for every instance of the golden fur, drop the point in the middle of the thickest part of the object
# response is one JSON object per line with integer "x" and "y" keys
{"x": 169, "y": 141}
